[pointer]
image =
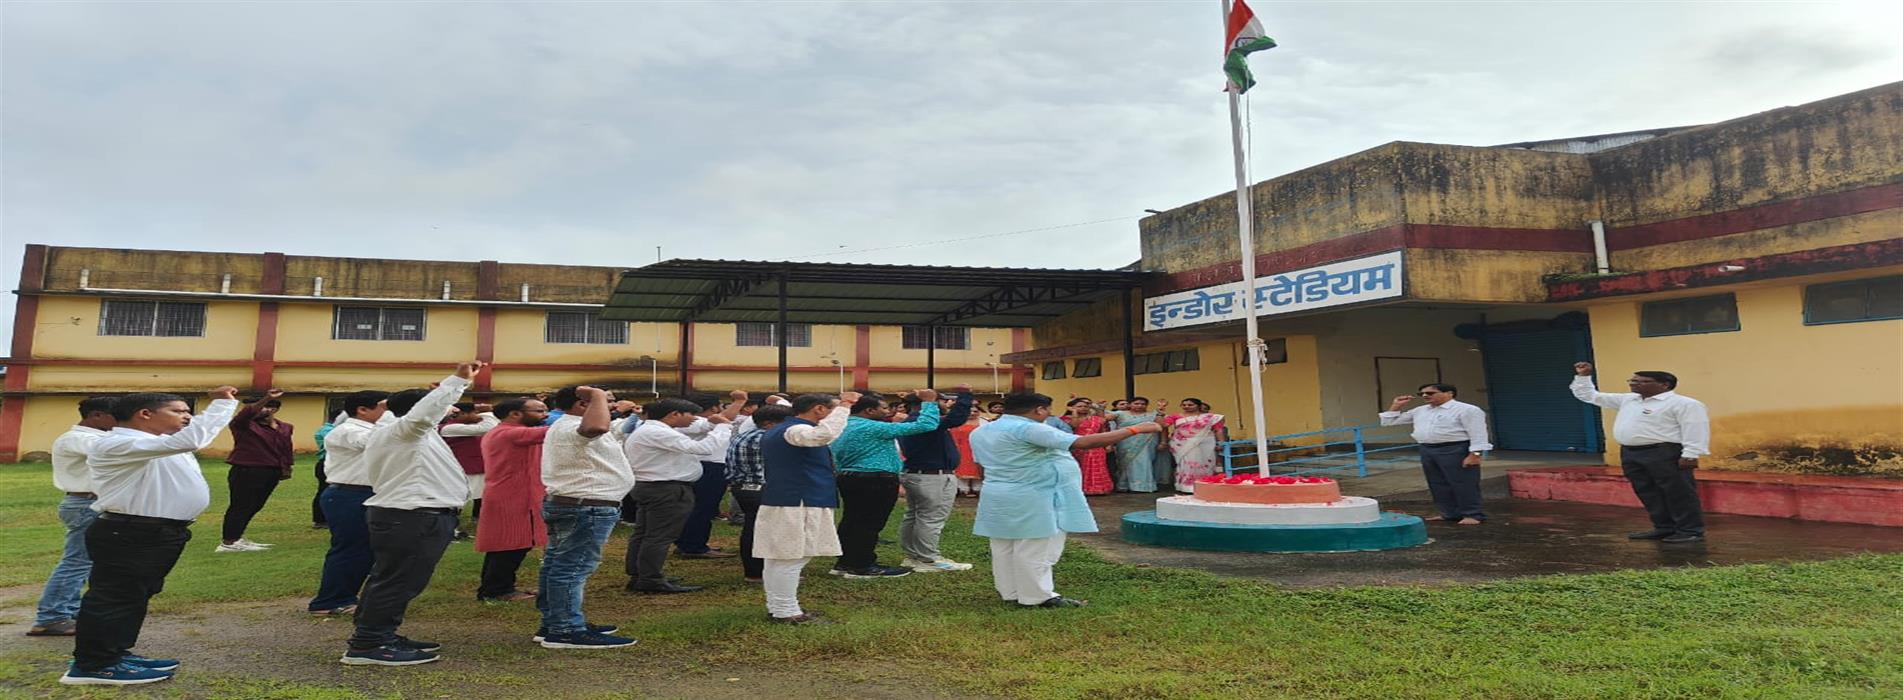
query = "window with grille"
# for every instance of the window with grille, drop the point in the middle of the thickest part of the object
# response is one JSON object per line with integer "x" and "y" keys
{"x": 582, "y": 327}
{"x": 151, "y": 318}
{"x": 948, "y": 337}
{"x": 377, "y": 323}
{"x": 753, "y": 334}
{"x": 1712, "y": 314}
{"x": 1187, "y": 360}
{"x": 1088, "y": 367}
{"x": 1858, "y": 300}
{"x": 1053, "y": 370}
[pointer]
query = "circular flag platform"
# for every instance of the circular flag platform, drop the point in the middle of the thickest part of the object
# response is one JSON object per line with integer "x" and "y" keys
{"x": 1390, "y": 531}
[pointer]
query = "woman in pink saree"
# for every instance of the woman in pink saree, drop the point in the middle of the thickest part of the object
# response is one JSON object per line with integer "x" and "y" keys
{"x": 1194, "y": 435}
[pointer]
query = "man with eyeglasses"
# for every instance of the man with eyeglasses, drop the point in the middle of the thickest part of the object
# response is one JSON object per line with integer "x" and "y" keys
{"x": 1661, "y": 435}
{"x": 1453, "y": 436}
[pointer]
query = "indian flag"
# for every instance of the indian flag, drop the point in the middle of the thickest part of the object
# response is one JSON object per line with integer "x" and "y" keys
{"x": 1245, "y": 37}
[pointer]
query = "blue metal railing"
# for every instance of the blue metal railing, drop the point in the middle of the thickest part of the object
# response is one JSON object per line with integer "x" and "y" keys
{"x": 1340, "y": 450}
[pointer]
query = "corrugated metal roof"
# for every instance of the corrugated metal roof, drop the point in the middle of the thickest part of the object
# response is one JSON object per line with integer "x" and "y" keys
{"x": 732, "y": 291}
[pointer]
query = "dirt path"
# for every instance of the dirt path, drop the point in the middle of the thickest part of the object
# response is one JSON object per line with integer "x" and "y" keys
{"x": 268, "y": 641}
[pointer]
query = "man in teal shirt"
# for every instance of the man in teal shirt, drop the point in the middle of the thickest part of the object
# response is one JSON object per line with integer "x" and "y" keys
{"x": 867, "y": 456}
{"x": 1033, "y": 496}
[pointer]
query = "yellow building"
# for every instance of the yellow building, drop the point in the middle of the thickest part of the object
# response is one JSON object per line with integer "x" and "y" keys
{"x": 1759, "y": 259}
{"x": 97, "y": 321}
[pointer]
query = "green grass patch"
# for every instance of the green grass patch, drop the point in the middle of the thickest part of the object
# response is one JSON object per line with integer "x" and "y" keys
{"x": 1811, "y": 630}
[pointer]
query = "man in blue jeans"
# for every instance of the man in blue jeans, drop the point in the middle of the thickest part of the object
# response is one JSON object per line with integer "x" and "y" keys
{"x": 348, "y": 561}
{"x": 59, "y": 604}
{"x": 586, "y": 475}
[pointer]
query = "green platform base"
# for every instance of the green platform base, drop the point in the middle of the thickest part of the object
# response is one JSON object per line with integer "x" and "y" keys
{"x": 1392, "y": 531}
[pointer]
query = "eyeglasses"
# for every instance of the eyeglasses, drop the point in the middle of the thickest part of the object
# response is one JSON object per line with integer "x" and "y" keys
{"x": 1429, "y": 393}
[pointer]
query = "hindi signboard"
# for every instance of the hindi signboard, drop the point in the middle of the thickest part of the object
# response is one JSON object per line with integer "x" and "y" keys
{"x": 1355, "y": 281}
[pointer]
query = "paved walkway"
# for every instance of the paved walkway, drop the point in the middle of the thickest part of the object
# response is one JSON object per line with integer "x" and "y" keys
{"x": 1522, "y": 538}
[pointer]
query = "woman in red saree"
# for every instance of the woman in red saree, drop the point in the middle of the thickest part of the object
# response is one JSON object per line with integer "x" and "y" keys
{"x": 1085, "y": 419}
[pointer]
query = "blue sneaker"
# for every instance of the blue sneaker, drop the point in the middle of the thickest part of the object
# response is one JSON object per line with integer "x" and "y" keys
{"x": 121, "y": 674}
{"x": 417, "y": 644}
{"x": 585, "y": 640}
{"x": 541, "y": 633}
{"x": 387, "y": 655}
{"x": 154, "y": 664}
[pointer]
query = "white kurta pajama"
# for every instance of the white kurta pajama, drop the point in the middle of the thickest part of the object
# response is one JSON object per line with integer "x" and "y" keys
{"x": 1033, "y": 497}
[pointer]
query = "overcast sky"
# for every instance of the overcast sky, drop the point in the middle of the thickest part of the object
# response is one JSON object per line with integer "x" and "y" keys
{"x": 591, "y": 133}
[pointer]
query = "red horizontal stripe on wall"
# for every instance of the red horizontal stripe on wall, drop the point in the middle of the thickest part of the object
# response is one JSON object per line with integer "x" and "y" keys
{"x": 1763, "y": 216}
{"x": 1803, "y": 262}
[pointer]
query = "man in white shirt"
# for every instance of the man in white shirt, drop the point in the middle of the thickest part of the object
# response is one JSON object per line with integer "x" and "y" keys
{"x": 711, "y": 489}
{"x": 347, "y": 563}
{"x": 149, "y": 488}
{"x": 59, "y": 602}
{"x": 418, "y": 491}
{"x": 667, "y": 464}
{"x": 1661, "y": 435}
{"x": 1452, "y": 435}
{"x": 585, "y": 474}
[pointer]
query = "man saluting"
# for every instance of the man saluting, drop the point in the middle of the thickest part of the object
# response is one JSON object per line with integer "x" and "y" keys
{"x": 1661, "y": 435}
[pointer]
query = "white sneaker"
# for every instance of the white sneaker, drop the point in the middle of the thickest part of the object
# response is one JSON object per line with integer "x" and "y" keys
{"x": 235, "y": 547}
{"x": 934, "y": 566}
{"x": 254, "y": 545}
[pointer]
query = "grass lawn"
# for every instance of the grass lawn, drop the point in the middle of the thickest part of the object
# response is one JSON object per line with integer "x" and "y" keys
{"x": 1817, "y": 630}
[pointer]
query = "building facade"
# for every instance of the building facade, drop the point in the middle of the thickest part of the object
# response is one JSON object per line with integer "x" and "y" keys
{"x": 101, "y": 321}
{"x": 1759, "y": 259}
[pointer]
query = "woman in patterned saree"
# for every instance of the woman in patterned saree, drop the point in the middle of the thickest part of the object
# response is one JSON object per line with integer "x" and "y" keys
{"x": 1085, "y": 419}
{"x": 1194, "y": 435}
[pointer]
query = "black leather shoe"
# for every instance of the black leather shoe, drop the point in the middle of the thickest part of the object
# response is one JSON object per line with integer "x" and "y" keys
{"x": 1682, "y": 539}
{"x": 668, "y": 587}
{"x": 1649, "y": 535}
{"x": 1061, "y": 602}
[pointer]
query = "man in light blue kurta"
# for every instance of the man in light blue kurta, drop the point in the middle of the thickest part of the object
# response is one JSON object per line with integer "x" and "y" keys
{"x": 1033, "y": 496}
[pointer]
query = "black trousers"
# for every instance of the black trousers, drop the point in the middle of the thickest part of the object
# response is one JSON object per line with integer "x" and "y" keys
{"x": 868, "y": 500}
{"x": 498, "y": 573}
{"x": 628, "y": 508}
{"x": 1668, "y": 491}
{"x": 751, "y": 566}
{"x": 1456, "y": 488}
{"x": 661, "y": 511}
{"x": 406, "y": 544}
{"x": 317, "y": 508}
{"x": 130, "y": 562}
{"x": 250, "y": 488}
{"x": 708, "y": 491}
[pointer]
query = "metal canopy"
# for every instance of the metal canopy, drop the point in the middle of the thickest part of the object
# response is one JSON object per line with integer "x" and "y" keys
{"x": 724, "y": 291}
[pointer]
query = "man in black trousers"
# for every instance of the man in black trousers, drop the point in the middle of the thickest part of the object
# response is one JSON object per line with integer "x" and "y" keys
{"x": 1661, "y": 435}
{"x": 149, "y": 488}
{"x": 419, "y": 491}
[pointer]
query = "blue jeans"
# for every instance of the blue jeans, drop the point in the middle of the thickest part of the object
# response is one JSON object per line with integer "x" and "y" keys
{"x": 708, "y": 491}
{"x": 60, "y": 601}
{"x": 348, "y": 562}
{"x": 576, "y": 535}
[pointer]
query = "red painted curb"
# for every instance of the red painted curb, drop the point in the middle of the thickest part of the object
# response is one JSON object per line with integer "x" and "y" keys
{"x": 1837, "y": 499}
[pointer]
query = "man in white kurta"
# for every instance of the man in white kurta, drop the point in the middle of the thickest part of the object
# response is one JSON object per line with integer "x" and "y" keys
{"x": 1033, "y": 496}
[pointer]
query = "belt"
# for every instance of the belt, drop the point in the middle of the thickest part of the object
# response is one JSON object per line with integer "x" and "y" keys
{"x": 572, "y": 501}
{"x": 142, "y": 519}
{"x": 881, "y": 475}
{"x": 930, "y": 471}
{"x": 1653, "y": 446}
{"x": 749, "y": 487}
{"x": 351, "y": 487}
{"x": 83, "y": 494}
{"x": 1446, "y": 444}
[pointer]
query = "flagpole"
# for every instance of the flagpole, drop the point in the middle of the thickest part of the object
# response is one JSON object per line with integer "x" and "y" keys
{"x": 1245, "y": 220}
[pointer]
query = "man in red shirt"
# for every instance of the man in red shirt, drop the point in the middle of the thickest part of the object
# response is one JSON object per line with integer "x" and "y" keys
{"x": 512, "y": 466}
{"x": 260, "y": 458}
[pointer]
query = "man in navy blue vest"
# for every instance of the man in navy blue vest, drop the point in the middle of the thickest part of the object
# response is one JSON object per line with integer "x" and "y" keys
{"x": 796, "y": 506}
{"x": 931, "y": 487}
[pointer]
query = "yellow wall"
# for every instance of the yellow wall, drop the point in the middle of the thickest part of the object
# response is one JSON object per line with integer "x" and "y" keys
{"x": 1776, "y": 385}
{"x": 521, "y": 337}
{"x": 304, "y": 334}
{"x": 1810, "y": 235}
{"x": 714, "y": 345}
{"x": 68, "y": 327}
{"x": 1454, "y": 274}
{"x": 1293, "y": 388}
{"x": 122, "y": 379}
{"x": 888, "y": 349}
